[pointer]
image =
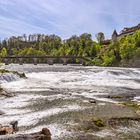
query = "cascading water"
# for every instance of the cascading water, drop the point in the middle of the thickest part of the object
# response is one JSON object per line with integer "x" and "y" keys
{"x": 8, "y": 77}
{"x": 56, "y": 96}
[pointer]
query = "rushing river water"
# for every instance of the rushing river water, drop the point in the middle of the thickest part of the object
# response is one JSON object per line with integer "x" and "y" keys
{"x": 58, "y": 96}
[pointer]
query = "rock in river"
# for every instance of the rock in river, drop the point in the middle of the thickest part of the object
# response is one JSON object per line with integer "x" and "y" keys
{"x": 43, "y": 135}
{"x": 1, "y": 112}
{"x": 92, "y": 101}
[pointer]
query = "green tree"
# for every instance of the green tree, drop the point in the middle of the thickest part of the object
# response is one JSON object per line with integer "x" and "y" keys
{"x": 100, "y": 37}
{"x": 3, "y": 52}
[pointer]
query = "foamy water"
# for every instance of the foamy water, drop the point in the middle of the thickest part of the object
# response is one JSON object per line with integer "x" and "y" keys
{"x": 51, "y": 91}
{"x": 81, "y": 79}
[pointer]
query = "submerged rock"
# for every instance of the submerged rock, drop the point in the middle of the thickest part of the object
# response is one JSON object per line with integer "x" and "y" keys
{"x": 21, "y": 75}
{"x": 123, "y": 121}
{"x": 1, "y": 112}
{"x": 6, "y": 94}
{"x": 92, "y": 101}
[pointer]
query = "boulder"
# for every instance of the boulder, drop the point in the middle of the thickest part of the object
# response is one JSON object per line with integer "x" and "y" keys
{"x": 46, "y": 131}
{"x": 42, "y": 135}
{"x": 4, "y": 130}
{"x": 14, "y": 126}
{"x": 9, "y": 129}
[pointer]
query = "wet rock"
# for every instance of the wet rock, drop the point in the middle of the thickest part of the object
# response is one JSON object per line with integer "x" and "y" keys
{"x": 43, "y": 135}
{"x": 88, "y": 126}
{"x": 4, "y": 130}
{"x": 1, "y": 112}
{"x": 108, "y": 96}
{"x": 123, "y": 121}
{"x": 92, "y": 101}
{"x": 14, "y": 126}
{"x": 47, "y": 133}
{"x": 21, "y": 75}
{"x": 114, "y": 97}
{"x": 70, "y": 94}
{"x": 6, "y": 94}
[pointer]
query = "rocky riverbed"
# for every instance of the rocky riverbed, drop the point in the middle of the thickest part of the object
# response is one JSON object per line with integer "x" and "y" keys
{"x": 74, "y": 102}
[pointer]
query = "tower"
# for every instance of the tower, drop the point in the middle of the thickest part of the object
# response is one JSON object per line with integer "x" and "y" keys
{"x": 114, "y": 37}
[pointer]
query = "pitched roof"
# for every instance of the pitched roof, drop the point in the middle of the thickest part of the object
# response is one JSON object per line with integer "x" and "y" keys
{"x": 127, "y": 30}
{"x": 115, "y": 32}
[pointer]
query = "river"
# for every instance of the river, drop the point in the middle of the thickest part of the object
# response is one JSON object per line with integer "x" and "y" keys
{"x": 57, "y": 97}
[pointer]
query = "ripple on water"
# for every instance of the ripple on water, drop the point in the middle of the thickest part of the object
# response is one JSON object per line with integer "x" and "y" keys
{"x": 51, "y": 84}
{"x": 31, "y": 118}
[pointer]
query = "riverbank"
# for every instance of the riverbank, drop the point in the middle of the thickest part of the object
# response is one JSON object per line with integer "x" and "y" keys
{"x": 130, "y": 63}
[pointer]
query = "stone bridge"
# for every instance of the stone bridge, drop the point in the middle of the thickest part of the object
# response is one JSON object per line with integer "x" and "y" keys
{"x": 43, "y": 59}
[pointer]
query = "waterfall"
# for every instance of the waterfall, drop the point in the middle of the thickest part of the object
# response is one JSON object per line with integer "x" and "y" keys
{"x": 8, "y": 77}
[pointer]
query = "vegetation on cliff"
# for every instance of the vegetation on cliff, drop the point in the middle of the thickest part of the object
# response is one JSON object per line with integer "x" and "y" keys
{"x": 126, "y": 48}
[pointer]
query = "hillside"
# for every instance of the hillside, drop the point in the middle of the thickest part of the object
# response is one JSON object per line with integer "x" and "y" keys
{"x": 125, "y": 52}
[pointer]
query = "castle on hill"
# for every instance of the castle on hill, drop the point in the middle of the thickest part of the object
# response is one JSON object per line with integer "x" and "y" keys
{"x": 126, "y": 31}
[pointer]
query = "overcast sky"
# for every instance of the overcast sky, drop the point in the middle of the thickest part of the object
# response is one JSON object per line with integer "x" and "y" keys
{"x": 67, "y": 17}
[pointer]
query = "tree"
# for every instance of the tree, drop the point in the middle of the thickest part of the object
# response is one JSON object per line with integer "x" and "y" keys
{"x": 126, "y": 47}
{"x": 127, "y": 51}
{"x": 3, "y": 52}
{"x": 100, "y": 37}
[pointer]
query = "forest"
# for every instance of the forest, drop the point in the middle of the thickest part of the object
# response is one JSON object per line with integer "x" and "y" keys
{"x": 102, "y": 53}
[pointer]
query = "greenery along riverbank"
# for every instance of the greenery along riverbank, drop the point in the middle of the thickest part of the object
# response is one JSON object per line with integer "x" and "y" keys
{"x": 105, "y": 54}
